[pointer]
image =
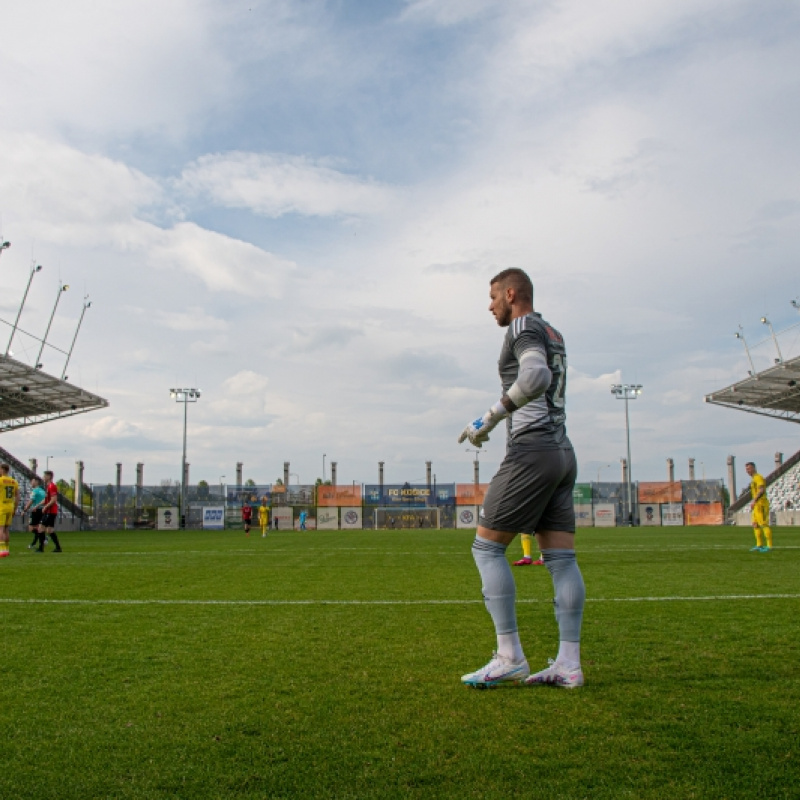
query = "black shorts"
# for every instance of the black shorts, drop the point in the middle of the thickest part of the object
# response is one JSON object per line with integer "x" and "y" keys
{"x": 36, "y": 517}
{"x": 532, "y": 491}
{"x": 49, "y": 520}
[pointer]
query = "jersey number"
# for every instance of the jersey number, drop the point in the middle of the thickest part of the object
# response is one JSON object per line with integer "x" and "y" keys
{"x": 9, "y": 492}
{"x": 560, "y": 367}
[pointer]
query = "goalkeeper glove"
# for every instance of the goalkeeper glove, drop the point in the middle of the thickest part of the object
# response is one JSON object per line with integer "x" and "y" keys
{"x": 478, "y": 430}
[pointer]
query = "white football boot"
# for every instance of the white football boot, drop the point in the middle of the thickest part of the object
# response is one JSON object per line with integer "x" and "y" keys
{"x": 557, "y": 675}
{"x": 500, "y": 671}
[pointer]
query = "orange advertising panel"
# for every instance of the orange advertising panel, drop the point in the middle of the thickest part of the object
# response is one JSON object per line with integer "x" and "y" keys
{"x": 703, "y": 513}
{"x": 470, "y": 494}
{"x": 339, "y": 495}
{"x": 660, "y": 492}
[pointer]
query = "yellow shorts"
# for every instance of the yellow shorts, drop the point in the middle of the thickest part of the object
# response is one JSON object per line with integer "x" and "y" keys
{"x": 6, "y": 518}
{"x": 760, "y": 515}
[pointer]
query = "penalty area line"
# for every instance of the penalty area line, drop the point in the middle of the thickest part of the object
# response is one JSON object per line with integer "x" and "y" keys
{"x": 178, "y": 602}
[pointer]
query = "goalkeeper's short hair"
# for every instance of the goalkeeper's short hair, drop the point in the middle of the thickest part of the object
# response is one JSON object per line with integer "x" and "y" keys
{"x": 517, "y": 279}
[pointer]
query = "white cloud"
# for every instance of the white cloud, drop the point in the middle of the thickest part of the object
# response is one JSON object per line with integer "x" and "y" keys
{"x": 193, "y": 319}
{"x": 273, "y": 185}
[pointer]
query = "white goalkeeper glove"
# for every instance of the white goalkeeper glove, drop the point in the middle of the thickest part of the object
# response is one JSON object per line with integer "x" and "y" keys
{"x": 479, "y": 429}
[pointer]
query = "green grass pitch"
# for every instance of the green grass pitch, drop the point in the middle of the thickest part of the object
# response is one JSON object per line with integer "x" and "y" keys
{"x": 209, "y": 665}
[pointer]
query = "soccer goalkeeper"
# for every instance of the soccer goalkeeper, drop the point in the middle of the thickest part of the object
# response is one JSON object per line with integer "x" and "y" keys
{"x": 532, "y": 490}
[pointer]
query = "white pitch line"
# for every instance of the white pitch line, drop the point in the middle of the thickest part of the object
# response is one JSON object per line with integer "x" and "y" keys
{"x": 151, "y": 602}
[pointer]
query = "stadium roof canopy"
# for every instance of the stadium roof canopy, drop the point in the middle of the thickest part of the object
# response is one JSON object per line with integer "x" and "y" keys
{"x": 29, "y": 396}
{"x": 775, "y": 392}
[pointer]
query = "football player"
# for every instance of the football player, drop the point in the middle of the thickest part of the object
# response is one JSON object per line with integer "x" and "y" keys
{"x": 532, "y": 490}
{"x": 263, "y": 516}
{"x": 9, "y": 495}
{"x": 759, "y": 510}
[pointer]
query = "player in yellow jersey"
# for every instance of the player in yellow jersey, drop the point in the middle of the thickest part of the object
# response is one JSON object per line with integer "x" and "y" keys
{"x": 263, "y": 516}
{"x": 760, "y": 509}
{"x": 9, "y": 495}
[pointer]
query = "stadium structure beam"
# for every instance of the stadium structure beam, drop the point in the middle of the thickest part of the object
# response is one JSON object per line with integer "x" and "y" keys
{"x": 775, "y": 393}
{"x": 29, "y": 396}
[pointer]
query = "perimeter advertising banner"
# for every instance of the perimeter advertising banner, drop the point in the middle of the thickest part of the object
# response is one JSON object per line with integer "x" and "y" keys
{"x": 339, "y": 496}
{"x": 351, "y": 517}
{"x": 605, "y": 515}
{"x": 470, "y": 494}
{"x": 656, "y": 492}
{"x": 300, "y": 495}
{"x": 239, "y": 495}
{"x": 327, "y": 518}
{"x": 285, "y": 517}
{"x": 213, "y": 518}
{"x": 584, "y": 518}
{"x": 467, "y": 517}
{"x": 650, "y": 513}
{"x": 399, "y": 494}
{"x": 703, "y": 513}
{"x": 582, "y": 494}
{"x": 168, "y": 519}
{"x": 671, "y": 514}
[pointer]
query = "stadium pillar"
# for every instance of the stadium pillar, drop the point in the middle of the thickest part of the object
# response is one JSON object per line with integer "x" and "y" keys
{"x": 33, "y": 463}
{"x": 78, "y": 496}
{"x": 119, "y": 489}
{"x": 671, "y": 470}
{"x": 186, "y": 473}
{"x": 778, "y": 460}
{"x": 732, "y": 478}
{"x": 691, "y": 469}
{"x": 239, "y": 466}
{"x": 380, "y": 476}
{"x": 139, "y": 486}
{"x": 286, "y": 475}
{"x": 333, "y": 472}
{"x": 428, "y": 474}
{"x": 476, "y": 471}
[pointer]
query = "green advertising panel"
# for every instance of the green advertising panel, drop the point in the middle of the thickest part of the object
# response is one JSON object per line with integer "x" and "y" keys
{"x": 582, "y": 493}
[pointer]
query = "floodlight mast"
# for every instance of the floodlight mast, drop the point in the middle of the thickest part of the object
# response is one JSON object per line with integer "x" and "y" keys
{"x": 628, "y": 391}
{"x": 62, "y": 287}
{"x": 86, "y": 304}
{"x": 184, "y": 396}
{"x": 740, "y": 335}
{"x": 34, "y": 269}
{"x": 765, "y": 321}
{"x": 4, "y": 246}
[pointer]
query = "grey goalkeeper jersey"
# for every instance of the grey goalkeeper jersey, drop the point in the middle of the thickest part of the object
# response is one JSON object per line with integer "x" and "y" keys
{"x": 540, "y": 424}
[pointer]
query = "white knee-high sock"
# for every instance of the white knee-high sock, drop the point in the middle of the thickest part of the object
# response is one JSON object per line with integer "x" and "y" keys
{"x": 570, "y": 596}
{"x": 499, "y": 595}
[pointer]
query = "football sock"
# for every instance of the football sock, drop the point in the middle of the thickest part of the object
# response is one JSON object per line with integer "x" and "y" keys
{"x": 4, "y": 548}
{"x": 768, "y": 535}
{"x": 570, "y": 597}
{"x": 526, "y": 545}
{"x": 41, "y": 540}
{"x": 759, "y": 537}
{"x": 499, "y": 595}
{"x": 54, "y": 540}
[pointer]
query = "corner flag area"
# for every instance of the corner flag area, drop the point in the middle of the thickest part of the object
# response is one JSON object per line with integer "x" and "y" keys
{"x": 204, "y": 664}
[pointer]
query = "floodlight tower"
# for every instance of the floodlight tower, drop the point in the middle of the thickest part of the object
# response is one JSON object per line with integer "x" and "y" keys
{"x": 184, "y": 396}
{"x": 62, "y": 287}
{"x": 626, "y": 392}
{"x": 87, "y": 303}
{"x": 34, "y": 269}
{"x": 4, "y": 246}
{"x": 740, "y": 335}
{"x": 765, "y": 321}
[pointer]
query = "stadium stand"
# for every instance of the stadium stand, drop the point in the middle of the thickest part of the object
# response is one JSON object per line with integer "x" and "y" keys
{"x": 783, "y": 488}
{"x": 22, "y": 474}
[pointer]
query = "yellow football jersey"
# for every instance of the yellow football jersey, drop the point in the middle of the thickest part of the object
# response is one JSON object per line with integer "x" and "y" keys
{"x": 263, "y": 513}
{"x": 8, "y": 493}
{"x": 755, "y": 487}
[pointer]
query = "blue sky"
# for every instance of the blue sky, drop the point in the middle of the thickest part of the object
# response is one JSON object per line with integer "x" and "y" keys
{"x": 297, "y": 207}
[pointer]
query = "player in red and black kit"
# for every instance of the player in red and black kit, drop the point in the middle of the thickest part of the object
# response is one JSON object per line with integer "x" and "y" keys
{"x": 247, "y": 516}
{"x": 49, "y": 513}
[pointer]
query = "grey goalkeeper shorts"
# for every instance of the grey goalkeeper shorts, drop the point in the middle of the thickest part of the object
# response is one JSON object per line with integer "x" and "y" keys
{"x": 532, "y": 491}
